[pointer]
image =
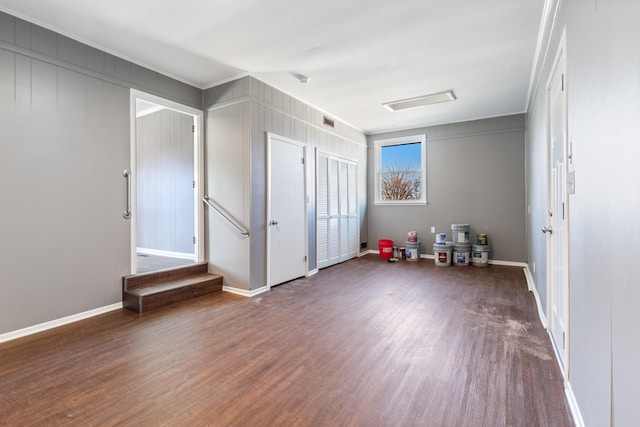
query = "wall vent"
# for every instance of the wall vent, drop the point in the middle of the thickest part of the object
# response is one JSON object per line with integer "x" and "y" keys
{"x": 328, "y": 122}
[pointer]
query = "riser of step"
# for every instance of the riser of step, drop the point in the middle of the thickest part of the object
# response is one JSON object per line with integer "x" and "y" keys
{"x": 153, "y": 278}
{"x": 149, "y": 298}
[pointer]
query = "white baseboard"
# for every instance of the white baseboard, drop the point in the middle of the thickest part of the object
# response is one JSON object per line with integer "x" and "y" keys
{"x": 508, "y": 263}
{"x": 58, "y": 322}
{"x": 244, "y": 292}
{"x": 312, "y": 272}
{"x": 170, "y": 254}
{"x": 532, "y": 287}
{"x": 573, "y": 406}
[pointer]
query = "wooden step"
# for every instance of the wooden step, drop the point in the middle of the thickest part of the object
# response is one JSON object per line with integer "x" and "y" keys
{"x": 148, "y": 291}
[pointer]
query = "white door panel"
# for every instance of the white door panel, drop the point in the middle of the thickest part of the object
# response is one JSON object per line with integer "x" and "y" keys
{"x": 287, "y": 212}
{"x": 557, "y": 232}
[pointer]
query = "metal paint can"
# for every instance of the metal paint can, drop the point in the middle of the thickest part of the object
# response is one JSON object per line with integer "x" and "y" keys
{"x": 481, "y": 239}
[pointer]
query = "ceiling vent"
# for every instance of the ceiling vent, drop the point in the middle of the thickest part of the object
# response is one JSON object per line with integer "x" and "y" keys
{"x": 434, "y": 98}
{"x": 328, "y": 122}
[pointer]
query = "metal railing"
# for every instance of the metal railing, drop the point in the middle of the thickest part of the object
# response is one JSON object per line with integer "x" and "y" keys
{"x": 226, "y": 215}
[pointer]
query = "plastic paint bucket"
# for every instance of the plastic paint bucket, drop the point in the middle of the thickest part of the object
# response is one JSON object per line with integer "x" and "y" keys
{"x": 441, "y": 238}
{"x": 480, "y": 255}
{"x": 461, "y": 254}
{"x": 412, "y": 250}
{"x": 386, "y": 248}
{"x": 460, "y": 233}
{"x": 442, "y": 254}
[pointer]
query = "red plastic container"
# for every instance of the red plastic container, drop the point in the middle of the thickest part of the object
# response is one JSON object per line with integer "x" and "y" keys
{"x": 386, "y": 248}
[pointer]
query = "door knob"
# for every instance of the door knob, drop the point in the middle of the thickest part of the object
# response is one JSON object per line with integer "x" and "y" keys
{"x": 547, "y": 230}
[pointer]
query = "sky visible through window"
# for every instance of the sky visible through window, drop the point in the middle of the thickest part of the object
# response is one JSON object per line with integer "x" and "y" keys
{"x": 404, "y": 156}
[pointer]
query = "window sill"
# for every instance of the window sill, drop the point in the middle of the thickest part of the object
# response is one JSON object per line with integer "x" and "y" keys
{"x": 401, "y": 203}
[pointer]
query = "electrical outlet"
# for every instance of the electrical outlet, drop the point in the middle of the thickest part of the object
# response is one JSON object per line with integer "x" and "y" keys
{"x": 433, "y": 230}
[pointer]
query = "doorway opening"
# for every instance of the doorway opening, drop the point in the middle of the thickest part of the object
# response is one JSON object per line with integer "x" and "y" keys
{"x": 167, "y": 225}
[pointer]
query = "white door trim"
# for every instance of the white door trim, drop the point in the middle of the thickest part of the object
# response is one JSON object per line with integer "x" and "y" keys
{"x": 271, "y": 136}
{"x": 198, "y": 156}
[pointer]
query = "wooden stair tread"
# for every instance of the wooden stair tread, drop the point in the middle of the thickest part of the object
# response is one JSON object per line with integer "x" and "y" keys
{"x": 156, "y": 288}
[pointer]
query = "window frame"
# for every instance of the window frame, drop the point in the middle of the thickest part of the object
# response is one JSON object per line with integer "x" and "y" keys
{"x": 410, "y": 139}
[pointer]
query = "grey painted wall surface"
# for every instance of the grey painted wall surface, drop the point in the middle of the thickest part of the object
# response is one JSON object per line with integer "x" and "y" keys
{"x": 165, "y": 168}
{"x": 475, "y": 175}
{"x": 603, "y": 110}
{"x": 227, "y": 183}
{"x": 64, "y": 115}
{"x": 274, "y": 111}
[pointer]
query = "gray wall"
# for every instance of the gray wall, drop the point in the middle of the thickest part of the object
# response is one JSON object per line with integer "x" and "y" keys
{"x": 64, "y": 115}
{"x": 603, "y": 110}
{"x": 271, "y": 110}
{"x": 165, "y": 168}
{"x": 475, "y": 175}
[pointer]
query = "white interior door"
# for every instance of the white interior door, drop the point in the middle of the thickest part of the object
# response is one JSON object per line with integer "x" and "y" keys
{"x": 557, "y": 231}
{"x": 286, "y": 210}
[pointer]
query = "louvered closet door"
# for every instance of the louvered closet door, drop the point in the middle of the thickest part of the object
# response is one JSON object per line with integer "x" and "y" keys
{"x": 322, "y": 211}
{"x": 336, "y": 207}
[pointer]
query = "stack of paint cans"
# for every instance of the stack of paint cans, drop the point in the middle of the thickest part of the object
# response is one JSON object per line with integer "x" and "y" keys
{"x": 461, "y": 246}
{"x": 442, "y": 250}
{"x": 412, "y": 246}
{"x": 480, "y": 251}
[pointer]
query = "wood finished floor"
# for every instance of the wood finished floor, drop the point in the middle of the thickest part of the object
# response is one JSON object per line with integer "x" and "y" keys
{"x": 364, "y": 343}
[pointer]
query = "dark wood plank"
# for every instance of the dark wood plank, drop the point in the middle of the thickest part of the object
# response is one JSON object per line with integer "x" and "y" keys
{"x": 364, "y": 343}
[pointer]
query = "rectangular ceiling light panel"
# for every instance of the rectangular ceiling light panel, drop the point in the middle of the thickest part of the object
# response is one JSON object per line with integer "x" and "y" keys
{"x": 420, "y": 101}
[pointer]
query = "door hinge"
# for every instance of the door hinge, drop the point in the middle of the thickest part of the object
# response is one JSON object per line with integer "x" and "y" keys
{"x": 194, "y": 240}
{"x": 305, "y": 259}
{"x": 193, "y": 128}
{"x": 563, "y": 82}
{"x": 194, "y": 184}
{"x": 564, "y": 345}
{"x": 302, "y": 160}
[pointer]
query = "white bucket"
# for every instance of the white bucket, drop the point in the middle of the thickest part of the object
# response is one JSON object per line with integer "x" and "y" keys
{"x": 460, "y": 233}
{"x": 413, "y": 250}
{"x": 441, "y": 238}
{"x": 480, "y": 255}
{"x": 461, "y": 254}
{"x": 442, "y": 254}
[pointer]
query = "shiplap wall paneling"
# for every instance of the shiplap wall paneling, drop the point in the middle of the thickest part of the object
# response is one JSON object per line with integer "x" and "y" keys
{"x": 65, "y": 143}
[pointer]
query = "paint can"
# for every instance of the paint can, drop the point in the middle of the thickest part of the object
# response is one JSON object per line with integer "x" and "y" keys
{"x": 403, "y": 253}
{"x": 460, "y": 234}
{"x": 412, "y": 250}
{"x": 481, "y": 239}
{"x": 386, "y": 248}
{"x": 442, "y": 254}
{"x": 480, "y": 255}
{"x": 461, "y": 255}
{"x": 441, "y": 238}
{"x": 412, "y": 236}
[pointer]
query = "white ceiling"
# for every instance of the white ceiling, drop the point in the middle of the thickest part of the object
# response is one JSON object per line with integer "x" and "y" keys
{"x": 357, "y": 53}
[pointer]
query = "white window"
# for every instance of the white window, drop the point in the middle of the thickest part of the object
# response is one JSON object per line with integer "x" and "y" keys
{"x": 400, "y": 168}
